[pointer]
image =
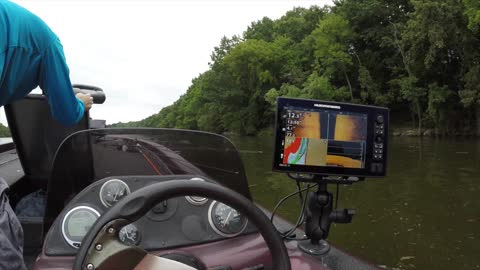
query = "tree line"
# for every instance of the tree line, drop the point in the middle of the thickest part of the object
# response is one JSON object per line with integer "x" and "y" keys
{"x": 420, "y": 58}
{"x": 4, "y": 131}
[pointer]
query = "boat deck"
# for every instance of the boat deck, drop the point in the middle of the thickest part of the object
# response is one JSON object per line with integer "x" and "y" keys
{"x": 10, "y": 168}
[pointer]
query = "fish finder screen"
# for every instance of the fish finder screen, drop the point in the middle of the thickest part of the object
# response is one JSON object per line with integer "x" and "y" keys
{"x": 323, "y": 137}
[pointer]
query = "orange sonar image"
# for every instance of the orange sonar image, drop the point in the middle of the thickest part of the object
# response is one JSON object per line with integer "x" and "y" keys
{"x": 309, "y": 126}
{"x": 349, "y": 128}
{"x": 340, "y": 161}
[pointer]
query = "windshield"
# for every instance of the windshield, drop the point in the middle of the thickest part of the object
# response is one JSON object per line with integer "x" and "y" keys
{"x": 91, "y": 155}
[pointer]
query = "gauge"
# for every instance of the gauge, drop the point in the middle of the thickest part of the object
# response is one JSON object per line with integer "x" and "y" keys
{"x": 77, "y": 223}
{"x": 195, "y": 200}
{"x": 112, "y": 191}
{"x": 129, "y": 235}
{"x": 225, "y": 220}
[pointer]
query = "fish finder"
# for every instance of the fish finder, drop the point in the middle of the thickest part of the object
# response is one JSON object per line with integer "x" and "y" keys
{"x": 328, "y": 143}
{"x": 323, "y": 138}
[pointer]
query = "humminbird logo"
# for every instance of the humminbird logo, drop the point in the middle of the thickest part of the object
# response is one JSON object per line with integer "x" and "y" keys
{"x": 327, "y": 106}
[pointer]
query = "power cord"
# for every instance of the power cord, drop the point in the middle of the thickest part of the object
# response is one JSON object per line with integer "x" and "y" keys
{"x": 300, "y": 219}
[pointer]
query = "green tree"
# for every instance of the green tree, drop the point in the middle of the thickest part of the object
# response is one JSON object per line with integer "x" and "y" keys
{"x": 472, "y": 10}
{"x": 415, "y": 95}
{"x": 331, "y": 41}
{"x": 226, "y": 44}
{"x": 432, "y": 47}
{"x": 410, "y": 55}
{"x": 4, "y": 131}
{"x": 439, "y": 104}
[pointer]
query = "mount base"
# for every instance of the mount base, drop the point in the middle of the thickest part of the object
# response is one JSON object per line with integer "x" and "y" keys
{"x": 322, "y": 248}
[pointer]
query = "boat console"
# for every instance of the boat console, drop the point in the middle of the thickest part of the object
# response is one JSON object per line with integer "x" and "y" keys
{"x": 328, "y": 143}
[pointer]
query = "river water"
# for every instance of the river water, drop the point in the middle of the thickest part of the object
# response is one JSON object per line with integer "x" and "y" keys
{"x": 424, "y": 215}
{"x": 5, "y": 140}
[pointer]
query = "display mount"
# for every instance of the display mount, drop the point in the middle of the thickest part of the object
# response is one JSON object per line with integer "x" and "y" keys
{"x": 316, "y": 137}
{"x": 335, "y": 179}
{"x": 319, "y": 216}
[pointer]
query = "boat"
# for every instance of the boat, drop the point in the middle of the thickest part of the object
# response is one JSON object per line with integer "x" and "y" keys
{"x": 144, "y": 198}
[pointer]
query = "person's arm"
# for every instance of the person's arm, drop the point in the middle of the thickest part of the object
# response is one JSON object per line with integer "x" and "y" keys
{"x": 54, "y": 80}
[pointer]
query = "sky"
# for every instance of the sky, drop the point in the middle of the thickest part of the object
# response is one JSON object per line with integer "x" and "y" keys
{"x": 144, "y": 54}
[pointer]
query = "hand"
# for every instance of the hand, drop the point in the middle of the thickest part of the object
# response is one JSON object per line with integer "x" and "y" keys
{"x": 86, "y": 99}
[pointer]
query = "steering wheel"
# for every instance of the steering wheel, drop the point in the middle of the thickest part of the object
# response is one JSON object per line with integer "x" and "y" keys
{"x": 101, "y": 243}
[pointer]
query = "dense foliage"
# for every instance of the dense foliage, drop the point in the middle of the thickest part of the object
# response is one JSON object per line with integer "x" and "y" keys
{"x": 4, "y": 131}
{"x": 420, "y": 58}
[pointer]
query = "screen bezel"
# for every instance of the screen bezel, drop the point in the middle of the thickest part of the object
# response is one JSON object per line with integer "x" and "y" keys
{"x": 370, "y": 111}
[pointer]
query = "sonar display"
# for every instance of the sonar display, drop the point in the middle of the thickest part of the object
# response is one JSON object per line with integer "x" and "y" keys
{"x": 324, "y": 138}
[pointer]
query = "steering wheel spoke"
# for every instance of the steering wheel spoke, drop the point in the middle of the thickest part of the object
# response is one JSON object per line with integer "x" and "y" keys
{"x": 152, "y": 262}
{"x": 107, "y": 252}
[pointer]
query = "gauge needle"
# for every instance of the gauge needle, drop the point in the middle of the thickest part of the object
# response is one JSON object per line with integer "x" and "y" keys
{"x": 116, "y": 194}
{"x": 227, "y": 219}
{"x": 130, "y": 236}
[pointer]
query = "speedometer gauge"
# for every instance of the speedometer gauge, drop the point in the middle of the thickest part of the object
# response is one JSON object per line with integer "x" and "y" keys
{"x": 77, "y": 223}
{"x": 225, "y": 220}
{"x": 112, "y": 191}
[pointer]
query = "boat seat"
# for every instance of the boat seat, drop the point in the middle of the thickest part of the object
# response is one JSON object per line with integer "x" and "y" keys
{"x": 37, "y": 135}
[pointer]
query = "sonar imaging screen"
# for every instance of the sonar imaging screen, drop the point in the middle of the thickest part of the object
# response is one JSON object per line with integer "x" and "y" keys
{"x": 324, "y": 138}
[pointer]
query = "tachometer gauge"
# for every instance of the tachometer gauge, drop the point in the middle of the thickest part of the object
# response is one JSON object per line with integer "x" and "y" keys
{"x": 129, "y": 235}
{"x": 112, "y": 191}
{"x": 225, "y": 220}
{"x": 77, "y": 223}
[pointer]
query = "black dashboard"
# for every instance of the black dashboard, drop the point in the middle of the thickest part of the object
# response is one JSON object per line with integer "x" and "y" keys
{"x": 176, "y": 222}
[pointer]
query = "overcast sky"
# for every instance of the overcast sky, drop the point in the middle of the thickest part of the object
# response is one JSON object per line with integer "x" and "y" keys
{"x": 144, "y": 54}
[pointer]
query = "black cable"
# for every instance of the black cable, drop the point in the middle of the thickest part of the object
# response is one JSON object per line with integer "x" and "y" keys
{"x": 283, "y": 200}
{"x": 300, "y": 194}
{"x": 336, "y": 196}
{"x": 300, "y": 219}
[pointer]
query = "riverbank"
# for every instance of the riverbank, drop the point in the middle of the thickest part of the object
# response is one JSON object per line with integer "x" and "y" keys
{"x": 395, "y": 131}
{"x": 430, "y": 132}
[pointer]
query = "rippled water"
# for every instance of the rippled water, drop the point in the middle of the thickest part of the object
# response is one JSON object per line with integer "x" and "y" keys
{"x": 5, "y": 140}
{"x": 424, "y": 215}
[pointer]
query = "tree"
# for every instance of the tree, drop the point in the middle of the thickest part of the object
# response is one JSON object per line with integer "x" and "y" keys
{"x": 472, "y": 10}
{"x": 409, "y": 55}
{"x": 439, "y": 104}
{"x": 410, "y": 91}
{"x": 331, "y": 41}
{"x": 226, "y": 44}
{"x": 376, "y": 55}
{"x": 432, "y": 45}
{"x": 470, "y": 95}
{"x": 261, "y": 30}
{"x": 4, "y": 131}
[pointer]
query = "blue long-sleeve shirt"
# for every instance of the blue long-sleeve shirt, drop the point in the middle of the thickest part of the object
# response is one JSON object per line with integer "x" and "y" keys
{"x": 31, "y": 55}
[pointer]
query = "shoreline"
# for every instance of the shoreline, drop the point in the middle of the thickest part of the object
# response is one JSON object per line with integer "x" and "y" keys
{"x": 394, "y": 132}
{"x": 430, "y": 132}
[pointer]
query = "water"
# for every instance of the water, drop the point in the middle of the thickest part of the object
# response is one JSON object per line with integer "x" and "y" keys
{"x": 424, "y": 215}
{"x": 4, "y": 140}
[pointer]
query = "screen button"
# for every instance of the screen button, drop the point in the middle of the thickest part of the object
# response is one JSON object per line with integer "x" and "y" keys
{"x": 376, "y": 168}
{"x": 380, "y": 119}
